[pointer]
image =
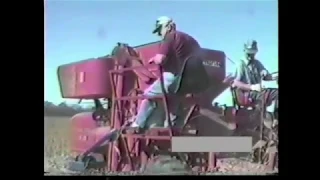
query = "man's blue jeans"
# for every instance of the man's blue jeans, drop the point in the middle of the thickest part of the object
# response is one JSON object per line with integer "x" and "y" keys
{"x": 148, "y": 105}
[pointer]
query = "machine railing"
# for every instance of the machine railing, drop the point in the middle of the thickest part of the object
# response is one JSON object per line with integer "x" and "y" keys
{"x": 118, "y": 118}
{"x": 119, "y": 71}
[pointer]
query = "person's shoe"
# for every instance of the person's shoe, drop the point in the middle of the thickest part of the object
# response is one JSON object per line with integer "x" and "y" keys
{"x": 268, "y": 123}
{"x": 232, "y": 126}
{"x": 172, "y": 119}
{"x": 134, "y": 125}
{"x": 132, "y": 122}
{"x": 275, "y": 123}
{"x": 132, "y": 119}
{"x": 268, "y": 120}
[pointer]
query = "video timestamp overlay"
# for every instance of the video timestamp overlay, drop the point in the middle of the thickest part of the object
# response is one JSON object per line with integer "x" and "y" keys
{"x": 211, "y": 144}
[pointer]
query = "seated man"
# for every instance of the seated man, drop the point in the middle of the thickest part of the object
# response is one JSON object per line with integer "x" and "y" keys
{"x": 175, "y": 47}
{"x": 248, "y": 75}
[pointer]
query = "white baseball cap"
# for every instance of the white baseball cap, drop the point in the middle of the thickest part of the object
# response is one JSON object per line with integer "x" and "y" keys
{"x": 161, "y": 21}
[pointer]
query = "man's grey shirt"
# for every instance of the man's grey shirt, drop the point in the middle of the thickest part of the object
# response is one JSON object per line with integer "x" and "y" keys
{"x": 249, "y": 72}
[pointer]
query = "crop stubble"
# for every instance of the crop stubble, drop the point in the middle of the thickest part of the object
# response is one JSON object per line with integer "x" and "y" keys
{"x": 57, "y": 151}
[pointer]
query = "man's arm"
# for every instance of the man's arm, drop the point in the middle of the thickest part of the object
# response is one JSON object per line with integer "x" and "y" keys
{"x": 164, "y": 50}
{"x": 237, "y": 81}
{"x": 264, "y": 72}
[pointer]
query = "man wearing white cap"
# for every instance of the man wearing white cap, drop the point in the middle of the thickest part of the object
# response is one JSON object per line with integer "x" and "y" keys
{"x": 176, "y": 46}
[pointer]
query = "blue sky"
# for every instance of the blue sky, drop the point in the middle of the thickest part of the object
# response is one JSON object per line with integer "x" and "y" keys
{"x": 81, "y": 29}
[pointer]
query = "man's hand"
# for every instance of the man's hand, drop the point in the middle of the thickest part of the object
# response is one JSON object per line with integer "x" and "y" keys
{"x": 151, "y": 60}
{"x": 228, "y": 79}
{"x": 155, "y": 60}
{"x": 266, "y": 76}
{"x": 274, "y": 76}
{"x": 264, "y": 73}
{"x": 256, "y": 87}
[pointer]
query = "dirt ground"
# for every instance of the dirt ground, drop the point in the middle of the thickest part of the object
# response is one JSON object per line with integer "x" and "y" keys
{"x": 56, "y": 154}
{"x": 56, "y": 149}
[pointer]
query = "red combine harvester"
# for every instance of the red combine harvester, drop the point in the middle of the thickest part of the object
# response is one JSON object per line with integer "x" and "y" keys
{"x": 102, "y": 139}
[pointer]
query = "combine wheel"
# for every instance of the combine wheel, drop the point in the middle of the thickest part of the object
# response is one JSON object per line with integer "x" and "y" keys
{"x": 185, "y": 159}
{"x": 259, "y": 146}
{"x": 101, "y": 115}
{"x": 81, "y": 163}
{"x": 269, "y": 153}
{"x": 86, "y": 160}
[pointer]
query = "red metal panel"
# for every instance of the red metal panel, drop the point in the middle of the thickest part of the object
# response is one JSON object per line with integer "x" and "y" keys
{"x": 87, "y": 79}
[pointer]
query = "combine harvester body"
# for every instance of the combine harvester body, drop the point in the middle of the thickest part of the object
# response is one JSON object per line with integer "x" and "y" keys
{"x": 95, "y": 140}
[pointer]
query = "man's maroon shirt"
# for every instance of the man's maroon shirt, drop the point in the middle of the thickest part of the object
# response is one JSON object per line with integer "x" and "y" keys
{"x": 177, "y": 46}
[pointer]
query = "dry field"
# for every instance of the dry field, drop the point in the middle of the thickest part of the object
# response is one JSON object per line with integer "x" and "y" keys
{"x": 56, "y": 151}
{"x": 56, "y": 142}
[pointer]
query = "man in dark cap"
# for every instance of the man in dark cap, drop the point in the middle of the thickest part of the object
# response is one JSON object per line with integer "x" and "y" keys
{"x": 248, "y": 76}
